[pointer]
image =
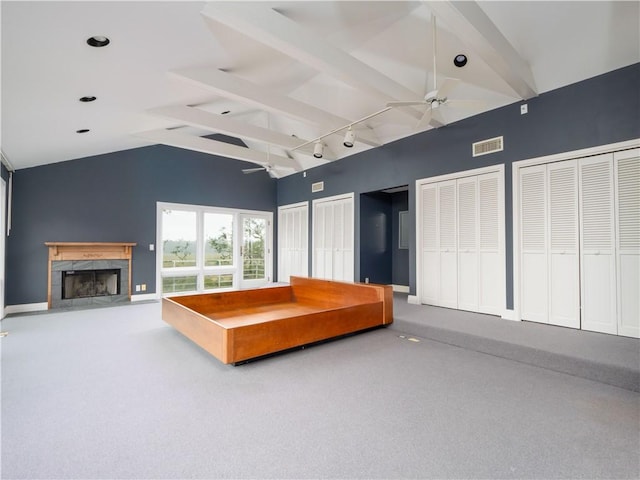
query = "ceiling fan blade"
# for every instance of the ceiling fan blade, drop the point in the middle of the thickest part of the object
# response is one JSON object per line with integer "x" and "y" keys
{"x": 447, "y": 87}
{"x": 406, "y": 104}
{"x": 253, "y": 170}
{"x": 425, "y": 120}
{"x": 468, "y": 104}
{"x": 437, "y": 120}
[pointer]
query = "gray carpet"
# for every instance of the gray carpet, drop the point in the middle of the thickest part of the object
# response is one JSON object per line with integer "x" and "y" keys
{"x": 610, "y": 359}
{"x": 116, "y": 393}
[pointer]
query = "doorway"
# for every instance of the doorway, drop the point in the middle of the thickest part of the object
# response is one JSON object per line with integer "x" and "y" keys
{"x": 384, "y": 235}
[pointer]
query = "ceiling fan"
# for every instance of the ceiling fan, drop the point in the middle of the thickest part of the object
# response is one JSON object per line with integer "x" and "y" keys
{"x": 438, "y": 97}
{"x": 269, "y": 169}
{"x": 274, "y": 171}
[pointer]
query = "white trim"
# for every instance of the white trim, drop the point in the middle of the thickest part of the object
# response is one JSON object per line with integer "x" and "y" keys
{"x": 3, "y": 223}
{"x": 400, "y": 288}
{"x": 342, "y": 196}
{"x": 26, "y": 307}
{"x": 509, "y": 315}
{"x": 498, "y": 168}
{"x": 303, "y": 206}
{"x": 143, "y": 297}
{"x": 573, "y": 154}
{"x": 413, "y": 299}
{"x": 236, "y": 269}
{"x": 294, "y": 205}
{"x": 515, "y": 198}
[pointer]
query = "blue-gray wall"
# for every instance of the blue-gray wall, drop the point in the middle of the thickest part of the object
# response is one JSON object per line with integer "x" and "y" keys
{"x": 598, "y": 111}
{"x": 116, "y": 194}
{"x": 112, "y": 198}
{"x": 376, "y": 238}
{"x": 400, "y": 257}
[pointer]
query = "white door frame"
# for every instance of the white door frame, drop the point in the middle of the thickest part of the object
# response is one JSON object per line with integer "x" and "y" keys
{"x": 515, "y": 172}
{"x": 499, "y": 168}
{"x": 3, "y": 226}
{"x": 304, "y": 209}
{"x": 344, "y": 196}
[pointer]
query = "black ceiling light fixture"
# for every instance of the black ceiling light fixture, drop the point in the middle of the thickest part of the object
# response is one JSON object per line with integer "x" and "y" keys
{"x": 225, "y": 112}
{"x": 83, "y": 130}
{"x": 87, "y": 99}
{"x": 98, "y": 41}
{"x": 460, "y": 60}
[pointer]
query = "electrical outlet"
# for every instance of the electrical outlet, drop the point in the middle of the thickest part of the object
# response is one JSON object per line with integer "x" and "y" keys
{"x": 152, "y": 247}
{"x": 137, "y": 288}
{"x": 524, "y": 109}
{"x": 143, "y": 287}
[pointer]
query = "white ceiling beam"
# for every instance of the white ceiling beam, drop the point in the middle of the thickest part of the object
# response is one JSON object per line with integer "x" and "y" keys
{"x": 178, "y": 139}
{"x": 228, "y": 126}
{"x": 271, "y": 28}
{"x": 472, "y": 26}
{"x": 243, "y": 91}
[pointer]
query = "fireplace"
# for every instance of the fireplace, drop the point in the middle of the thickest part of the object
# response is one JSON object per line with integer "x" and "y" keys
{"x": 83, "y": 274}
{"x": 90, "y": 283}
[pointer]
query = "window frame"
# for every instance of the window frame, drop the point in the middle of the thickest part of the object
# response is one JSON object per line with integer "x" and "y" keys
{"x": 200, "y": 270}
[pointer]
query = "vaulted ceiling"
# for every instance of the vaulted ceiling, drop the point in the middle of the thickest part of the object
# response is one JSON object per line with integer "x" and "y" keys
{"x": 284, "y": 76}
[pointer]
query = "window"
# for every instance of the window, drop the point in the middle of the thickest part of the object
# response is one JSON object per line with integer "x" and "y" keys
{"x": 208, "y": 249}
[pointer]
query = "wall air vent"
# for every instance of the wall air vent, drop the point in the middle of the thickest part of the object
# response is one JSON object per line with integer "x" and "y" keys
{"x": 488, "y": 146}
{"x": 317, "y": 187}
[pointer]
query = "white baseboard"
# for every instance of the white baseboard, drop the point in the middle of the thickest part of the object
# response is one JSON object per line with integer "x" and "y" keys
{"x": 509, "y": 315}
{"x": 26, "y": 307}
{"x": 143, "y": 297}
{"x": 401, "y": 288}
{"x": 413, "y": 299}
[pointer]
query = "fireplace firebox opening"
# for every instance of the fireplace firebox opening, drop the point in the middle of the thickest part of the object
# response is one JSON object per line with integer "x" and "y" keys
{"x": 90, "y": 283}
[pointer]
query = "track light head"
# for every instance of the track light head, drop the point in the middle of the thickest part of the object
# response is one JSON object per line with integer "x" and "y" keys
{"x": 317, "y": 149}
{"x": 349, "y": 138}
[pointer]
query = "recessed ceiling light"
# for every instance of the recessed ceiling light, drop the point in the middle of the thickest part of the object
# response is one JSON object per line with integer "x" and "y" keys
{"x": 98, "y": 41}
{"x": 460, "y": 60}
{"x": 87, "y": 99}
{"x": 83, "y": 130}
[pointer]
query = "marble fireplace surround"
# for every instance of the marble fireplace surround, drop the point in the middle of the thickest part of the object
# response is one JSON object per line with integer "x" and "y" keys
{"x": 78, "y": 256}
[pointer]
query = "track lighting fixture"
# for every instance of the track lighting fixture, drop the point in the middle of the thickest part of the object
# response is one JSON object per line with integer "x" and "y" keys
{"x": 317, "y": 150}
{"x": 349, "y": 138}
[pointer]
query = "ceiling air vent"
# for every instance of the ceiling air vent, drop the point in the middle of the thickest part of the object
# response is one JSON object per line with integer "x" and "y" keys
{"x": 488, "y": 146}
{"x": 317, "y": 187}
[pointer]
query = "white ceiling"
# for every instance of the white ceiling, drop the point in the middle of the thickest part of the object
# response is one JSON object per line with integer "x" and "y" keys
{"x": 281, "y": 69}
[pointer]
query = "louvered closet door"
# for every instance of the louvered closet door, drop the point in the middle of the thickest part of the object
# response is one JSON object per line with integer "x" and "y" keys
{"x": 322, "y": 241}
{"x": 597, "y": 243}
{"x": 627, "y": 166}
{"x": 533, "y": 244}
{"x": 467, "y": 192}
{"x": 448, "y": 244}
{"x": 333, "y": 239}
{"x": 430, "y": 285}
{"x": 292, "y": 242}
{"x": 564, "y": 274}
{"x": 342, "y": 241}
{"x": 491, "y": 239}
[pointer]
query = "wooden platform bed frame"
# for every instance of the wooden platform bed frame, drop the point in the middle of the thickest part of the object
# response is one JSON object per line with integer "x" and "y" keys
{"x": 238, "y": 326}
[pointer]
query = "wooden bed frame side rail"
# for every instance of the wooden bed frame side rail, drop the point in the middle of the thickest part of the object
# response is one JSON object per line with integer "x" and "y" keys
{"x": 314, "y": 291}
{"x": 210, "y": 303}
{"x": 260, "y": 339}
{"x": 201, "y": 330}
